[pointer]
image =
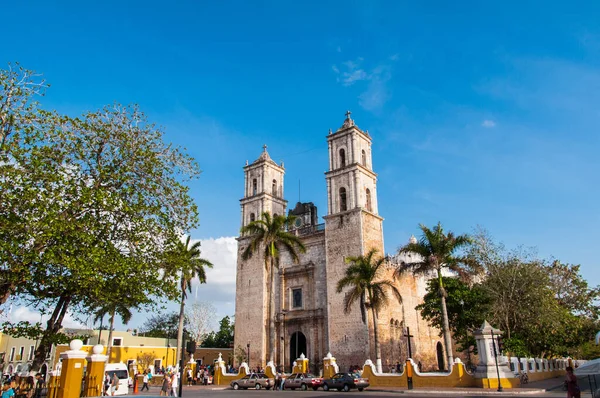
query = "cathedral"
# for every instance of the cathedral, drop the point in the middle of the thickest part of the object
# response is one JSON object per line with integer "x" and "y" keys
{"x": 309, "y": 313}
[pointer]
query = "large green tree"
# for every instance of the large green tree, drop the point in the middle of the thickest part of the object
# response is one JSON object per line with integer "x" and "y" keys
{"x": 544, "y": 308}
{"x": 185, "y": 261}
{"x": 223, "y": 338}
{"x": 435, "y": 252}
{"x": 88, "y": 205}
{"x": 364, "y": 280}
{"x": 468, "y": 306}
{"x": 268, "y": 236}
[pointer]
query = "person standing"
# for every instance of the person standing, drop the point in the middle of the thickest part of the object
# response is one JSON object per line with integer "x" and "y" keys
{"x": 166, "y": 385}
{"x": 145, "y": 380}
{"x": 174, "y": 384}
{"x": 573, "y": 390}
{"x": 106, "y": 383}
{"x": 114, "y": 384}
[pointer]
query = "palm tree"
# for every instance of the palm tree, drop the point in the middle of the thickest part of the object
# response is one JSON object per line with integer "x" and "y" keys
{"x": 191, "y": 265}
{"x": 434, "y": 253}
{"x": 364, "y": 279}
{"x": 118, "y": 308}
{"x": 269, "y": 234}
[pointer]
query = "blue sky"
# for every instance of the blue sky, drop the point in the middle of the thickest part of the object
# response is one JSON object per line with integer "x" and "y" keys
{"x": 481, "y": 113}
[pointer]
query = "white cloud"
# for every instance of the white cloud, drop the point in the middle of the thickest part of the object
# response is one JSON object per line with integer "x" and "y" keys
{"x": 220, "y": 280}
{"x": 352, "y": 73}
{"x": 488, "y": 124}
{"x": 19, "y": 314}
{"x": 376, "y": 93}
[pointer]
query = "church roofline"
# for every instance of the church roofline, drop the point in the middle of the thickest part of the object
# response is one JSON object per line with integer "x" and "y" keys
{"x": 263, "y": 158}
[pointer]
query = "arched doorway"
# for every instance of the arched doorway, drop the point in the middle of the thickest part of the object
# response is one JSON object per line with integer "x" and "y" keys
{"x": 297, "y": 346}
{"x": 440, "y": 356}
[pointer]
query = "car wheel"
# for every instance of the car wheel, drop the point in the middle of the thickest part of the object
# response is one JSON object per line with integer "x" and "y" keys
{"x": 257, "y": 386}
{"x": 236, "y": 386}
{"x": 303, "y": 387}
{"x": 346, "y": 388}
{"x": 360, "y": 388}
{"x": 325, "y": 387}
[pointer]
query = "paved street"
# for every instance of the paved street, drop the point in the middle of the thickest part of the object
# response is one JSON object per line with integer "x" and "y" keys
{"x": 200, "y": 391}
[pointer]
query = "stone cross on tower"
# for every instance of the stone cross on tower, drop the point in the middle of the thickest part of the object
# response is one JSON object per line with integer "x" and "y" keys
{"x": 348, "y": 113}
{"x": 265, "y": 148}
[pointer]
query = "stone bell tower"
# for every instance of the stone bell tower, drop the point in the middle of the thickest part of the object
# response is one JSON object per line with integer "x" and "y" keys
{"x": 352, "y": 227}
{"x": 263, "y": 192}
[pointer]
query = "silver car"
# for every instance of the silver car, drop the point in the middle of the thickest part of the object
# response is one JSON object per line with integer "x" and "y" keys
{"x": 253, "y": 380}
{"x": 303, "y": 381}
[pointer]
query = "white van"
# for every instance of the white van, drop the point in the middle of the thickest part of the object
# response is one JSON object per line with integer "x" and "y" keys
{"x": 121, "y": 370}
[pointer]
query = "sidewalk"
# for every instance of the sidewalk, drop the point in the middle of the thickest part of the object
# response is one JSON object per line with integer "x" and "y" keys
{"x": 459, "y": 391}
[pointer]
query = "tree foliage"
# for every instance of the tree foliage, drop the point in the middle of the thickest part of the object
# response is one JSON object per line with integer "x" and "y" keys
{"x": 89, "y": 206}
{"x": 201, "y": 317}
{"x": 435, "y": 252}
{"x": 544, "y": 308}
{"x": 468, "y": 307}
{"x": 163, "y": 325}
{"x": 223, "y": 338}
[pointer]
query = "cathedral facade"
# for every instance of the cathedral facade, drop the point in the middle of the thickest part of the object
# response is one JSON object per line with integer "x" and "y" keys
{"x": 309, "y": 313}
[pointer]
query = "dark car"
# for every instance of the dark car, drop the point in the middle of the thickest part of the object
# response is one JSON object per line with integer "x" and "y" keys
{"x": 253, "y": 380}
{"x": 303, "y": 381}
{"x": 345, "y": 382}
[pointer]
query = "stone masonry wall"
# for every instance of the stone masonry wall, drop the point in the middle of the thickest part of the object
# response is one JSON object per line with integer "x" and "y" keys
{"x": 348, "y": 335}
{"x": 251, "y": 306}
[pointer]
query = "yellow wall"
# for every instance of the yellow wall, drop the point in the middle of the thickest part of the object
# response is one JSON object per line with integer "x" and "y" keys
{"x": 457, "y": 378}
{"x": 123, "y": 354}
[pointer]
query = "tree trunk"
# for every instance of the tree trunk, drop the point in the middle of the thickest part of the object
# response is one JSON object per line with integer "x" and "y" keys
{"x": 272, "y": 314}
{"x": 445, "y": 324}
{"x": 53, "y": 325}
{"x": 110, "y": 333}
{"x": 100, "y": 331}
{"x": 376, "y": 338}
{"x": 180, "y": 327}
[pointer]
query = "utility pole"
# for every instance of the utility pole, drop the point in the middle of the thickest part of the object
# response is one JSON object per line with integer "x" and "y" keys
{"x": 409, "y": 368}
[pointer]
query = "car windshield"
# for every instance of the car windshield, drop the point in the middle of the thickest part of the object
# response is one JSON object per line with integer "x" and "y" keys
{"x": 309, "y": 375}
{"x": 355, "y": 375}
{"x": 121, "y": 374}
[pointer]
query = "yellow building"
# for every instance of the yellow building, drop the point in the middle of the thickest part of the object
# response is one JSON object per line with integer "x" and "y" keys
{"x": 16, "y": 354}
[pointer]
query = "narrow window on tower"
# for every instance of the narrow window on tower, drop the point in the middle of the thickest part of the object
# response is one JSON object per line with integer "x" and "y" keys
{"x": 343, "y": 205}
{"x": 364, "y": 158}
{"x": 296, "y": 298}
{"x": 369, "y": 207}
{"x": 254, "y": 186}
{"x": 252, "y": 218}
{"x": 274, "y": 188}
{"x": 342, "y": 158}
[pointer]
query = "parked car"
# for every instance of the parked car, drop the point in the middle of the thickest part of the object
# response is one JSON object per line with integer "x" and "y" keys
{"x": 303, "y": 381}
{"x": 345, "y": 382}
{"x": 253, "y": 380}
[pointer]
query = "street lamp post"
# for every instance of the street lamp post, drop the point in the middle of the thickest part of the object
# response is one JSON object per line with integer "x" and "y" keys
{"x": 500, "y": 389}
{"x": 283, "y": 312}
{"x": 248, "y": 346}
